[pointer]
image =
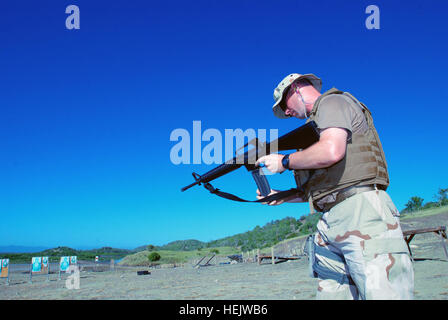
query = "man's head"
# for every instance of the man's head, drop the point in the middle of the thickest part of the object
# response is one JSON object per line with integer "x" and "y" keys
{"x": 295, "y": 95}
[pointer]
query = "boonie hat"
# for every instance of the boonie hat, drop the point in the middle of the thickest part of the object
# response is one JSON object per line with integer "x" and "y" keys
{"x": 283, "y": 87}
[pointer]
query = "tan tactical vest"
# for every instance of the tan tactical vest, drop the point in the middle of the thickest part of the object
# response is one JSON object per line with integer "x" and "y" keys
{"x": 364, "y": 162}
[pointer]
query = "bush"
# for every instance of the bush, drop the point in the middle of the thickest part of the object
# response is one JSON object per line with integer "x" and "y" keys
{"x": 291, "y": 235}
{"x": 216, "y": 251}
{"x": 154, "y": 256}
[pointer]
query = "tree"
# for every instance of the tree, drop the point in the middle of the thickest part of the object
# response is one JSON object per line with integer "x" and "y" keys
{"x": 414, "y": 204}
{"x": 429, "y": 205}
{"x": 442, "y": 197}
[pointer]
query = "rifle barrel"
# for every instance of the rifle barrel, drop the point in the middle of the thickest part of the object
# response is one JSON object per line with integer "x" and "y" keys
{"x": 189, "y": 186}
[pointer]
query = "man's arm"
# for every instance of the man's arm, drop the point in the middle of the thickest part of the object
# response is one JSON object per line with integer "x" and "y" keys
{"x": 327, "y": 151}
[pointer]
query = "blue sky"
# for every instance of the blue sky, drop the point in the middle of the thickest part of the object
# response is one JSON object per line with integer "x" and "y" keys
{"x": 87, "y": 114}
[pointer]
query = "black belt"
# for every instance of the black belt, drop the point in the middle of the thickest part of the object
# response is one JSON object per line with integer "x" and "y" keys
{"x": 351, "y": 191}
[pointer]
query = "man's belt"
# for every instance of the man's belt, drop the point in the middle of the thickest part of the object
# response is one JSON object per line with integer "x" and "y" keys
{"x": 351, "y": 191}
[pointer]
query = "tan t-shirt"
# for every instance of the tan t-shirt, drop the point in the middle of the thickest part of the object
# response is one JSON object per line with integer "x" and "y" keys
{"x": 339, "y": 111}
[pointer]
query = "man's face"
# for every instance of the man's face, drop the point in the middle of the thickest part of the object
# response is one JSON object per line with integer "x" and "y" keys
{"x": 295, "y": 104}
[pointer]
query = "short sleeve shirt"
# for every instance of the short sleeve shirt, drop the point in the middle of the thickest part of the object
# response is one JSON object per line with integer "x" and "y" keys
{"x": 339, "y": 111}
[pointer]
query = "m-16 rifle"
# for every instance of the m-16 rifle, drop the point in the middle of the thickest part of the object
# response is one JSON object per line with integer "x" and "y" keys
{"x": 300, "y": 138}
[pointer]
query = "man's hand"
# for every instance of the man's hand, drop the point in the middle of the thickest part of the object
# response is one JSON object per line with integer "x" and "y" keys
{"x": 298, "y": 198}
{"x": 272, "y": 203}
{"x": 273, "y": 162}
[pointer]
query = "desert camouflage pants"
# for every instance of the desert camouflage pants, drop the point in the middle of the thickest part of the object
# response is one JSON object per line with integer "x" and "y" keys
{"x": 361, "y": 242}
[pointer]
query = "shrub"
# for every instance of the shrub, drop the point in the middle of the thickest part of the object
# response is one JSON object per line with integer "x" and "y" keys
{"x": 291, "y": 235}
{"x": 154, "y": 256}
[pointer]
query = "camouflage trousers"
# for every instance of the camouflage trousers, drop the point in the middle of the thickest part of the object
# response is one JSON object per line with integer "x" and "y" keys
{"x": 359, "y": 251}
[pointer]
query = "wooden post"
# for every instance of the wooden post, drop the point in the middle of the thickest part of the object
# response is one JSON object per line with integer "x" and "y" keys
{"x": 112, "y": 264}
{"x": 440, "y": 233}
{"x": 272, "y": 255}
{"x": 258, "y": 256}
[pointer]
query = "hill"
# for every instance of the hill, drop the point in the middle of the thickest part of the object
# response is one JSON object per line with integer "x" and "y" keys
{"x": 175, "y": 256}
{"x": 178, "y": 245}
{"x": 54, "y": 254}
{"x": 270, "y": 234}
{"x": 259, "y": 237}
{"x": 183, "y": 245}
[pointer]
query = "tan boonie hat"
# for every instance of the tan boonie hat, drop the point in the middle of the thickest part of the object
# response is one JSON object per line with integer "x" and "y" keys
{"x": 283, "y": 87}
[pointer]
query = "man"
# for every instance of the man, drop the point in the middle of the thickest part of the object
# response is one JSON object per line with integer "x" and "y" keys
{"x": 358, "y": 251}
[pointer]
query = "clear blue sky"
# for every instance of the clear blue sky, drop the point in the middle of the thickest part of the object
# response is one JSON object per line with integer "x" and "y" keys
{"x": 86, "y": 114}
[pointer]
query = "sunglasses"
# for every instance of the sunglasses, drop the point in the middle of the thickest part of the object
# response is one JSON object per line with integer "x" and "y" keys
{"x": 287, "y": 94}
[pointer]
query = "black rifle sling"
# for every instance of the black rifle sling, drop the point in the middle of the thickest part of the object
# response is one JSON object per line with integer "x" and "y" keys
{"x": 229, "y": 196}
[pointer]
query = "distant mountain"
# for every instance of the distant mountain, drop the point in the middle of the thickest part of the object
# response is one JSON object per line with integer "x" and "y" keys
{"x": 20, "y": 249}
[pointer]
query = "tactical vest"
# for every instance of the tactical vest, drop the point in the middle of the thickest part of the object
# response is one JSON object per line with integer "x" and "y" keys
{"x": 364, "y": 162}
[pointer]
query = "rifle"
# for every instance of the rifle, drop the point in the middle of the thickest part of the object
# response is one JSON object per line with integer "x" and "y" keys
{"x": 300, "y": 138}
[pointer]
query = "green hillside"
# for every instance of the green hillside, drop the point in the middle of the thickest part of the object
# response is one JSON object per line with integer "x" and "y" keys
{"x": 270, "y": 234}
{"x": 175, "y": 256}
{"x": 259, "y": 237}
{"x": 105, "y": 253}
{"x": 183, "y": 245}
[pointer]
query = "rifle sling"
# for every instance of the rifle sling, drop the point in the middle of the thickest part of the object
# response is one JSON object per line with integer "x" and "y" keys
{"x": 229, "y": 196}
